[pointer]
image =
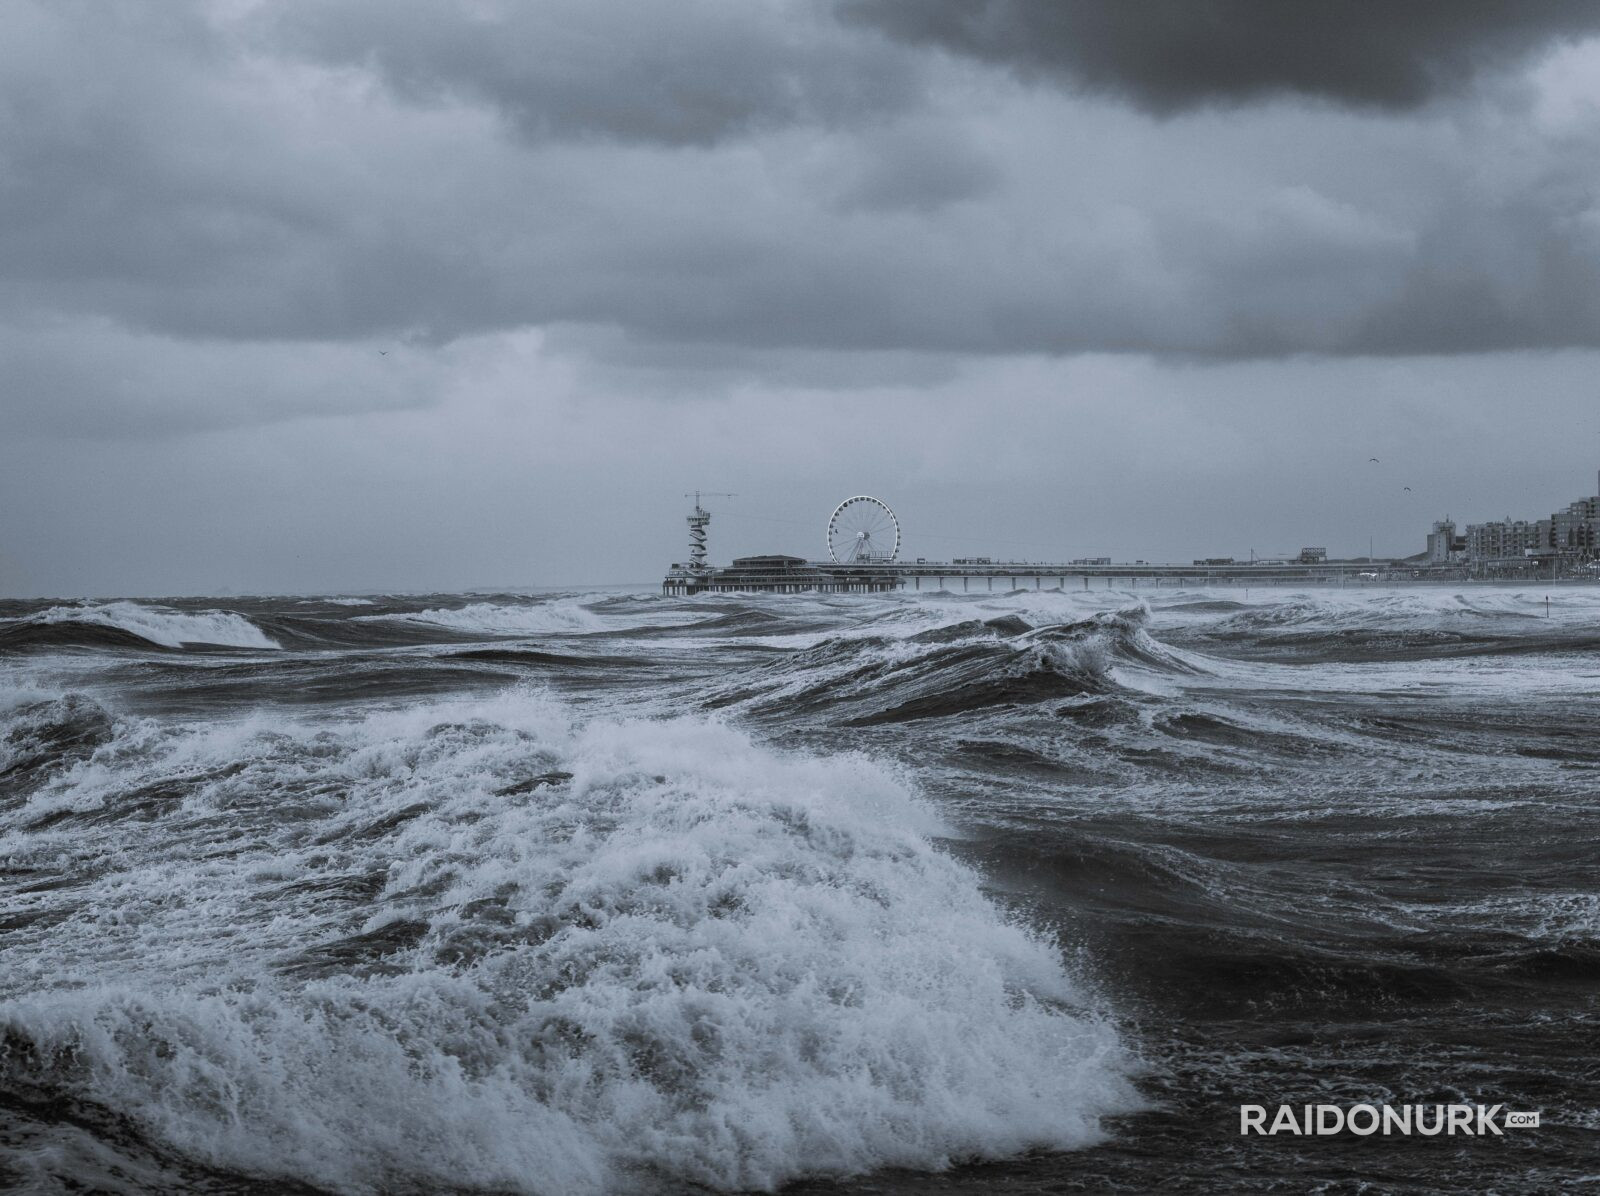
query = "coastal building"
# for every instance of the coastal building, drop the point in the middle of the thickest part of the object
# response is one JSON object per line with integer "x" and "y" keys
{"x": 1505, "y": 538}
{"x": 1576, "y": 530}
{"x": 1568, "y": 539}
{"x": 1444, "y": 545}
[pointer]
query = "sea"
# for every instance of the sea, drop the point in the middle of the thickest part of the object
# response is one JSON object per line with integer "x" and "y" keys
{"x": 1005, "y": 892}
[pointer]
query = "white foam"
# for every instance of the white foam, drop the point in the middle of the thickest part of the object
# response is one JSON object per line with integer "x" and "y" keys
{"x": 561, "y": 616}
{"x": 1505, "y": 610}
{"x": 162, "y": 625}
{"x": 1552, "y": 918}
{"x": 707, "y": 962}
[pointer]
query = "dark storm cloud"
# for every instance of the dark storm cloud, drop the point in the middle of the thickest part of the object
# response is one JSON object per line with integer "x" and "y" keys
{"x": 709, "y": 183}
{"x": 1166, "y": 55}
{"x": 692, "y": 72}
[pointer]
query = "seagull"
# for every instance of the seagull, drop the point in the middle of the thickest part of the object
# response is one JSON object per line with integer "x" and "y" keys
{"x": 383, "y": 352}
{"x": 1408, "y": 487}
{"x": 1373, "y": 459}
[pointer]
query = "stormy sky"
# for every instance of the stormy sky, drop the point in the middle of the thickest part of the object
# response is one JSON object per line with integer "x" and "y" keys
{"x": 320, "y": 295}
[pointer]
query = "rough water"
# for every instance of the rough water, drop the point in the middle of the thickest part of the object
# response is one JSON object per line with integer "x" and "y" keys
{"x": 581, "y": 893}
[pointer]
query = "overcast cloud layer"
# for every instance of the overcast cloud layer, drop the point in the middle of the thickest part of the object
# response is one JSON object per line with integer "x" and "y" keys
{"x": 363, "y": 221}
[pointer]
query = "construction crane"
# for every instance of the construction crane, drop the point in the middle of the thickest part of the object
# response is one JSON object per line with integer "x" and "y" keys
{"x": 697, "y": 528}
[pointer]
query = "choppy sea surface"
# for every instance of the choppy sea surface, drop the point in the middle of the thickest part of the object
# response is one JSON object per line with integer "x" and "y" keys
{"x": 607, "y": 892}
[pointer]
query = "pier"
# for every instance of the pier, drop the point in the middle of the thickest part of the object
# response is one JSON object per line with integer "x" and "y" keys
{"x": 754, "y": 574}
{"x": 864, "y": 547}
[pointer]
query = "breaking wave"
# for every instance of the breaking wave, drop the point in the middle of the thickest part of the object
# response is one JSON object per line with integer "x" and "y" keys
{"x": 493, "y": 618}
{"x": 132, "y": 623}
{"x": 476, "y": 944}
{"x": 43, "y": 733}
{"x": 957, "y": 668}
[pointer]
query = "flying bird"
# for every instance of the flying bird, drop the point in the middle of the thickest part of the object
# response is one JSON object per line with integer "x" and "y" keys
{"x": 383, "y": 352}
{"x": 1408, "y": 487}
{"x": 1373, "y": 459}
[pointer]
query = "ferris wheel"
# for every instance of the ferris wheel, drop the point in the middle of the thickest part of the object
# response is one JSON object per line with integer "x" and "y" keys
{"x": 861, "y": 530}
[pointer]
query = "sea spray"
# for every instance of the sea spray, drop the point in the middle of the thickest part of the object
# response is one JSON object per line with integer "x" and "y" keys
{"x": 481, "y": 944}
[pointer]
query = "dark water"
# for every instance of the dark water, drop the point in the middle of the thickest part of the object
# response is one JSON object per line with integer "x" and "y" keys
{"x": 606, "y": 892}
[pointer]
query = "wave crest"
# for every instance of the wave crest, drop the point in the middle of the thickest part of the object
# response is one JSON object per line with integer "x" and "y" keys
{"x": 159, "y": 625}
{"x": 962, "y": 667}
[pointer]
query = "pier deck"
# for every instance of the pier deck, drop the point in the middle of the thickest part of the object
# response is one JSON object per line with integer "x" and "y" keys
{"x": 794, "y": 575}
